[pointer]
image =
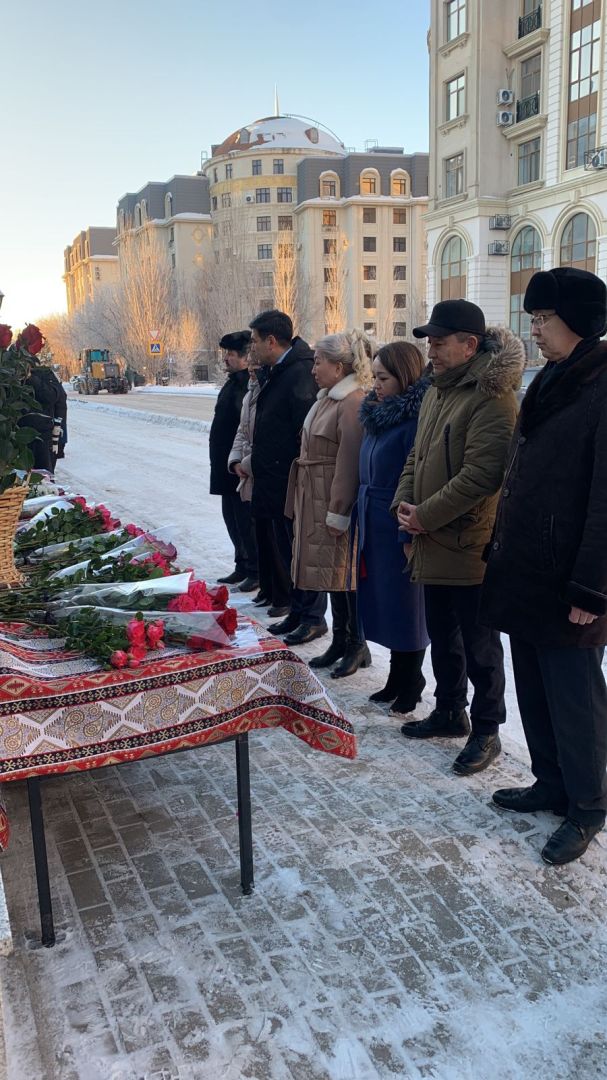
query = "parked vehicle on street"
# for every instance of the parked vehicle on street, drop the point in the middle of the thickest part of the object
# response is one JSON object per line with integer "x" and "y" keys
{"x": 100, "y": 373}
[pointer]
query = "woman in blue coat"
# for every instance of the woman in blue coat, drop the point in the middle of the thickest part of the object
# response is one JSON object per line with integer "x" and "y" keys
{"x": 391, "y": 607}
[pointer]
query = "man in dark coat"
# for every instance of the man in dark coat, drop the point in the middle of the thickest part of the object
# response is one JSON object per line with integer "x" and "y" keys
{"x": 51, "y": 420}
{"x": 284, "y": 400}
{"x": 546, "y": 580}
{"x": 236, "y": 513}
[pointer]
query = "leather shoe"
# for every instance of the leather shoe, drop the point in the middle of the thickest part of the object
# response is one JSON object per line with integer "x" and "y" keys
{"x": 335, "y": 652}
{"x": 527, "y": 800}
{"x": 306, "y": 632}
{"x": 440, "y": 723}
{"x": 231, "y": 579}
{"x": 286, "y": 626}
{"x": 478, "y": 753}
{"x": 278, "y": 612}
{"x": 260, "y": 600}
{"x": 248, "y": 585}
{"x": 353, "y": 659}
{"x": 569, "y": 842}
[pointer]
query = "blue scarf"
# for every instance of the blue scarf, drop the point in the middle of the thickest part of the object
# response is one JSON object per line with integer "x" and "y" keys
{"x": 377, "y": 416}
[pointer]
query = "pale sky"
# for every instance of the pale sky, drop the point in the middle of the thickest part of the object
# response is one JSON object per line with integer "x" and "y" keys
{"x": 99, "y": 99}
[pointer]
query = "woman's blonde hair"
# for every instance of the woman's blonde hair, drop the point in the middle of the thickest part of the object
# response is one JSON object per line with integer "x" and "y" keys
{"x": 353, "y": 349}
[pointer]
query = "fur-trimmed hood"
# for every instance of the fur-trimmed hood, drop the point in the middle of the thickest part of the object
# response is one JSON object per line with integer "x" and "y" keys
{"x": 497, "y": 367}
{"x": 377, "y": 416}
{"x": 341, "y": 390}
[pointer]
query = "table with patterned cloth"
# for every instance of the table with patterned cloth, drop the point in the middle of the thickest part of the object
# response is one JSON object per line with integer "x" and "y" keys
{"x": 61, "y": 712}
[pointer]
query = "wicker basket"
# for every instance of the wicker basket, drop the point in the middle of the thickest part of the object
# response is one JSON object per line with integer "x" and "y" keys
{"x": 11, "y": 502}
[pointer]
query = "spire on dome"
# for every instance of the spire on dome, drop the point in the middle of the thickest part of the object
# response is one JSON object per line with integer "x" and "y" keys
{"x": 276, "y": 105}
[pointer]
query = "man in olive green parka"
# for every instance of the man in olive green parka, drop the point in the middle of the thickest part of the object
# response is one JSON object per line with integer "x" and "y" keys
{"x": 446, "y": 503}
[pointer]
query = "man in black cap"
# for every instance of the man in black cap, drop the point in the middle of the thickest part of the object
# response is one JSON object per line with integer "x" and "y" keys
{"x": 236, "y": 513}
{"x": 546, "y": 581}
{"x": 446, "y": 502}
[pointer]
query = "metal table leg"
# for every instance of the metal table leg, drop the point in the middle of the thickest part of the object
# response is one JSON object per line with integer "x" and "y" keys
{"x": 245, "y": 831}
{"x": 40, "y": 860}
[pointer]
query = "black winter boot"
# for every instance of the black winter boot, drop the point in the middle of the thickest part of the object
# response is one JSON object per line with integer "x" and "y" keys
{"x": 391, "y": 689}
{"x": 357, "y": 653}
{"x": 411, "y": 683}
{"x": 440, "y": 724}
{"x": 337, "y": 648}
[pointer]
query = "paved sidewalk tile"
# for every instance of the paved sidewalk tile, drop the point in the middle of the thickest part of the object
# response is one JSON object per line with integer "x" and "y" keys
{"x": 401, "y": 925}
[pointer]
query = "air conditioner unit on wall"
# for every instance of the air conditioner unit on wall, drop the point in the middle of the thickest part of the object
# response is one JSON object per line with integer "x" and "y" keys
{"x": 505, "y": 118}
{"x": 500, "y": 221}
{"x": 505, "y": 97}
{"x": 598, "y": 160}
{"x": 499, "y": 247}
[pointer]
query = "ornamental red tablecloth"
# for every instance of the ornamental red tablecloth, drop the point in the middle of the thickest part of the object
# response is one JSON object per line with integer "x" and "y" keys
{"x": 60, "y": 712}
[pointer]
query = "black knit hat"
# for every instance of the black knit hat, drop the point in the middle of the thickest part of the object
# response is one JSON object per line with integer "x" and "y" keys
{"x": 578, "y": 297}
{"x": 451, "y": 317}
{"x": 239, "y": 341}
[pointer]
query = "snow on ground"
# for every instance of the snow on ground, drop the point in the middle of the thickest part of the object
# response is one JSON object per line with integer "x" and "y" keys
{"x": 198, "y": 389}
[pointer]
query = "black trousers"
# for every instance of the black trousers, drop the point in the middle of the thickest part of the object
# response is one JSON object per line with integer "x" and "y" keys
{"x": 346, "y": 628}
{"x": 274, "y": 576}
{"x": 462, "y": 649}
{"x": 310, "y": 606}
{"x": 237, "y": 517}
{"x": 562, "y": 699}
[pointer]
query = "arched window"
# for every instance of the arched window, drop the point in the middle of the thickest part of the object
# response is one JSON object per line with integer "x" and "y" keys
{"x": 168, "y": 205}
{"x": 578, "y": 243}
{"x": 144, "y": 210}
{"x": 398, "y": 183}
{"x": 453, "y": 270}
{"x": 526, "y": 260}
{"x": 138, "y": 215}
{"x": 370, "y": 182}
{"x": 329, "y": 185}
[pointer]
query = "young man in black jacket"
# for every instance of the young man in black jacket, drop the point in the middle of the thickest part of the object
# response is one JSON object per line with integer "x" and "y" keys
{"x": 285, "y": 398}
{"x": 236, "y": 513}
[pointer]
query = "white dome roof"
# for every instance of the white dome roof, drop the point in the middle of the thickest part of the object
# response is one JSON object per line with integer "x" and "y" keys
{"x": 277, "y": 132}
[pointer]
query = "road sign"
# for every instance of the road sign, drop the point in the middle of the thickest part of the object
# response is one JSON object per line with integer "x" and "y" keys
{"x": 155, "y": 348}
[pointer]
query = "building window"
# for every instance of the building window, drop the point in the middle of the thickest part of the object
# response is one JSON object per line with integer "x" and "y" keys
{"x": 329, "y": 218}
{"x": 399, "y": 185}
{"x": 168, "y": 205}
{"x": 370, "y": 328}
{"x": 172, "y": 234}
{"x": 578, "y": 244}
{"x": 97, "y": 273}
{"x": 369, "y": 215}
{"x": 262, "y": 194}
{"x": 285, "y": 223}
{"x": 455, "y": 18}
{"x": 370, "y": 300}
{"x": 285, "y": 194}
{"x": 214, "y": 202}
{"x": 228, "y": 172}
{"x": 329, "y": 247}
{"x": 369, "y": 243}
{"x": 530, "y": 75}
{"x": 369, "y": 273}
{"x": 328, "y": 189}
{"x": 278, "y": 166}
{"x": 529, "y": 161}
{"x": 215, "y": 177}
{"x": 399, "y": 273}
{"x": 584, "y": 61}
{"x": 454, "y": 176}
{"x": 329, "y": 275}
{"x": 266, "y": 279}
{"x": 526, "y": 260}
{"x": 285, "y": 251}
{"x": 264, "y": 251}
{"x": 368, "y": 184}
{"x": 399, "y": 300}
{"x": 399, "y": 243}
{"x": 173, "y": 262}
{"x": 453, "y": 270}
{"x": 226, "y": 199}
{"x": 399, "y": 329}
{"x": 456, "y": 94}
{"x": 399, "y": 217}
{"x": 256, "y": 166}
{"x": 264, "y": 224}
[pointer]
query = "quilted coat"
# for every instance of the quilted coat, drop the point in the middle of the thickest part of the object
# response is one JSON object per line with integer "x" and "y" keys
{"x": 242, "y": 447}
{"x": 323, "y": 485}
{"x": 456, "y": 467}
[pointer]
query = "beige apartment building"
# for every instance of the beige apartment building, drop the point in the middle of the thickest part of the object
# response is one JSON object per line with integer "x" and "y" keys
{"x": 518, "y": 148}
{"x": 177, "y": 212}
{"x": 90, "y": 262}
{"x": 285, "y": 190}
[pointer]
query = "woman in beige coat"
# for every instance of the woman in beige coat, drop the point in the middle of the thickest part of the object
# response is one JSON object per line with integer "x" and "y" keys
{"x": 323, "y": 486}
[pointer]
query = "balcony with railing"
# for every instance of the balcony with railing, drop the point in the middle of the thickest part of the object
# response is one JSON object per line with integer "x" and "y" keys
{"x": 530, "y": 22}
{"x": 527, "y": 107}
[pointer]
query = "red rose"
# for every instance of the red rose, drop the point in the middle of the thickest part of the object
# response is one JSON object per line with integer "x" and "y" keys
{"x": 181, "y": 603}
{"x": 199, "y": 643}
{"x": 119, "y": 658}
{"x": 135, "y": 631}
{"x": 155, "y": 634}
{"x": 138, "y": 652}
{"x": 133, "y": 530}
{"x": 219, "y": 597}
{"x": 6, "y": 336}
{"x": 30, "y": 339}
{"x": 228, "y": 621}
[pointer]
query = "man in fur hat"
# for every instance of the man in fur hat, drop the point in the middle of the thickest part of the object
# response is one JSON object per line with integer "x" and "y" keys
{"x": 546, "y": 580}
{"x": 446, "y": 502}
